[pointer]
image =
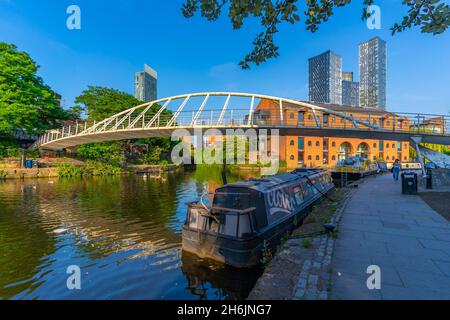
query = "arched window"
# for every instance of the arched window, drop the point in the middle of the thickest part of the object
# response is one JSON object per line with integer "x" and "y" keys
{"x": 363, "y": 150}
{"x": 333, "y": 157}
{"x": 309, "y": 157}
{"x": 317, "y": 144}
{"x": 292, "y": 158}
{"x": 393, "y": 146}
{"x": 387, "y": 145}
{"x": 345, "y": 150}
{"x": 291, "y": 116}
{"x": 317, "y": 157}
{"x": 309, "y": 143}
{"x": 374, "y": 145}
{"x": 309, "y": 117}
{"x": 292, "y": 143}
{"x": 405, "y": 158}
{"x": 333, "y": 144}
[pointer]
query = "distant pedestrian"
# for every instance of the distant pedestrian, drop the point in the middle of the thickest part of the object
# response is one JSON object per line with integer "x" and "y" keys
{"x": 396, "y": 169}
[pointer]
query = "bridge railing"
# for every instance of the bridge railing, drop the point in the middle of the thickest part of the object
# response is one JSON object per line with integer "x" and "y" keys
{"x": 158, "y": 116}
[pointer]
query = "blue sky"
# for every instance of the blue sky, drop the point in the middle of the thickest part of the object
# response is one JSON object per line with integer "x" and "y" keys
{"x": 191, "y": 55}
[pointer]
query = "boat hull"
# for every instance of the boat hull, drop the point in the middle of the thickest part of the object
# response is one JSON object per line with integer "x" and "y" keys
{"x": 242, "y": 253}
{"x": 352, "y": 176}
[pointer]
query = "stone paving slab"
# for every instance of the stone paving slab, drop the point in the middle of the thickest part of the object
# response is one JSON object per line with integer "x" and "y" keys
{"x": 401, "y": 234}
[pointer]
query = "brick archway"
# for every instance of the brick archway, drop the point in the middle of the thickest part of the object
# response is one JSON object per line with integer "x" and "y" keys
{"x": 345, "y": 150}
{"x": 363, "y": 150}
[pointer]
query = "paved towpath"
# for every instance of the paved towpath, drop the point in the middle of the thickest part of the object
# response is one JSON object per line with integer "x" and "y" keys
{"x": 402, "y": 235}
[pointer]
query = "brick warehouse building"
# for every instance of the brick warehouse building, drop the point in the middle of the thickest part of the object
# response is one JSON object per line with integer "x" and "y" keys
{"x": 312, "y": 151}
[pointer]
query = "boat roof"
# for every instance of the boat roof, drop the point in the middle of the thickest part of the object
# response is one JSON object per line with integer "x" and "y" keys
{"x": 269, "y": 182}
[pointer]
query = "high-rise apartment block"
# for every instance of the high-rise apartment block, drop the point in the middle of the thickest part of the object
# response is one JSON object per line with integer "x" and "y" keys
{"x": 325, "y": 78}
{"x": 145, "y": 84}
{"x": 372, "y": 73}
{"x": 350, "y": 90}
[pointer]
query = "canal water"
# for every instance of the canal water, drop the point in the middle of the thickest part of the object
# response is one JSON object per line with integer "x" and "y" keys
{"x": 123, "y": 232}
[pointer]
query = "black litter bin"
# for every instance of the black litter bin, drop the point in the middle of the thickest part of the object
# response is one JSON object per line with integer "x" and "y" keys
{"x": 409, "y": 183}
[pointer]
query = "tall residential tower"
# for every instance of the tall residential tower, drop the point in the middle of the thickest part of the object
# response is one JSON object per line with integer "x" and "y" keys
{"x": 145, "y": 84}
{"x": 372, "y": 74}
{"x": 325, "y": 77}
{"x": 350, "y": 90}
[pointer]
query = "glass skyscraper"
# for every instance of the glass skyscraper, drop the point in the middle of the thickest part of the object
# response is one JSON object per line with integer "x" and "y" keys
{"x": 372, "y": 74}
{"x": 145, "y": 84}
{"x": 325, "y": 78}
{"x": 350, "y": 90}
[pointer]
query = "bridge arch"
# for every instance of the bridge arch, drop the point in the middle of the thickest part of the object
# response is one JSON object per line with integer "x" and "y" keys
{"x": 143, "y": 121}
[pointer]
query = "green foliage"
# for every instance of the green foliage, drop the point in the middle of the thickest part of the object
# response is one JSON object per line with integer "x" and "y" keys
{"x": 95, "y": 168}
{"x": 9, "y": 148}
{"x": 437, "y": 147}
{"x": 306, "y": 243}
{"x": 100, "y": 103}
{"x": 75, "y": 112}
{"x": 25, "y": 101}
{"x": 92, "y": 168}
{"x": 66, "y": 170}
{"x": 433, "y": 16}
{"x": 107, "y": 152}
{"x": 266, "y": 255}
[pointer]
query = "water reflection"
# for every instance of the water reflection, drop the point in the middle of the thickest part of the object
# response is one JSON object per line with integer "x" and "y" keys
{"x": 124, "y": 233}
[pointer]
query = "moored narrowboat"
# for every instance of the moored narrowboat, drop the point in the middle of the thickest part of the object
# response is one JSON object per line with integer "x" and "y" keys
{"x": 245, "y": 215}
{"x": 354, "y": 168}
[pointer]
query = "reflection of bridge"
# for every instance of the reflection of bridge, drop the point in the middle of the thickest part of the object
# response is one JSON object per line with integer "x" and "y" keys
{"x": 222, "y": 110}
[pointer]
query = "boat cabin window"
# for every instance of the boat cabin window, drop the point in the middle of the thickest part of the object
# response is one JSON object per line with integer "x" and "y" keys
{"x": 232, "y": 200}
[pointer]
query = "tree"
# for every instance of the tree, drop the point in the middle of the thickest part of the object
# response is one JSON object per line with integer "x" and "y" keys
{"x": 108, "y": 152}
{"x": 433, "y": 16}
{"x": 101, "y": 103}
{"x": 25, "y": 101}
{"x": 75, "y": 112}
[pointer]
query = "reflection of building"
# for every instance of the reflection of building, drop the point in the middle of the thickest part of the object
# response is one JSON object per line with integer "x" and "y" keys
{"x": 326, "y": 151}
{"x": 325, "y": 74}
{"x": 372, "y": 73}
{"x": 145, "y": 85}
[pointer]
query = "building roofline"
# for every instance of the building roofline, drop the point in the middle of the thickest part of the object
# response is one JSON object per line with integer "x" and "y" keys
{"x": 373, "y": 38}
{"x": 323, "y": 53}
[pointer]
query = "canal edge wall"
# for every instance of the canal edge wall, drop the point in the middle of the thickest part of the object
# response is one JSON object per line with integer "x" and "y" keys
{"x": 299, "y": 273}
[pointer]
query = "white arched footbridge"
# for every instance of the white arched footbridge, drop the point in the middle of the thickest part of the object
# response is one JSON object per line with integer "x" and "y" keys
{"x": 229, "y": 110}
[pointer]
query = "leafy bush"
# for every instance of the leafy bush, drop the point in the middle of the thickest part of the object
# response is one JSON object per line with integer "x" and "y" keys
{"x": 108, "y": 152}
{"x": 92, "y": 168}
{"x": 69, "y": 170}
{"x": 9, "y": 148}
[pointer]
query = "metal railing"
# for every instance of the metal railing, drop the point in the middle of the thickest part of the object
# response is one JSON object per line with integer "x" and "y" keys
{"x": 283, "y": 113}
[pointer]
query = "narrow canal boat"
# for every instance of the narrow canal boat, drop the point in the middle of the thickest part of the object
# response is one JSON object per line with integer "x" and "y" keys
{"x": 244, "y": 216}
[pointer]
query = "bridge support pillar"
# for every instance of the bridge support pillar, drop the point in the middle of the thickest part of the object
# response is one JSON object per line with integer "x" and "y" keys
{"x": 417, "y": 140}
